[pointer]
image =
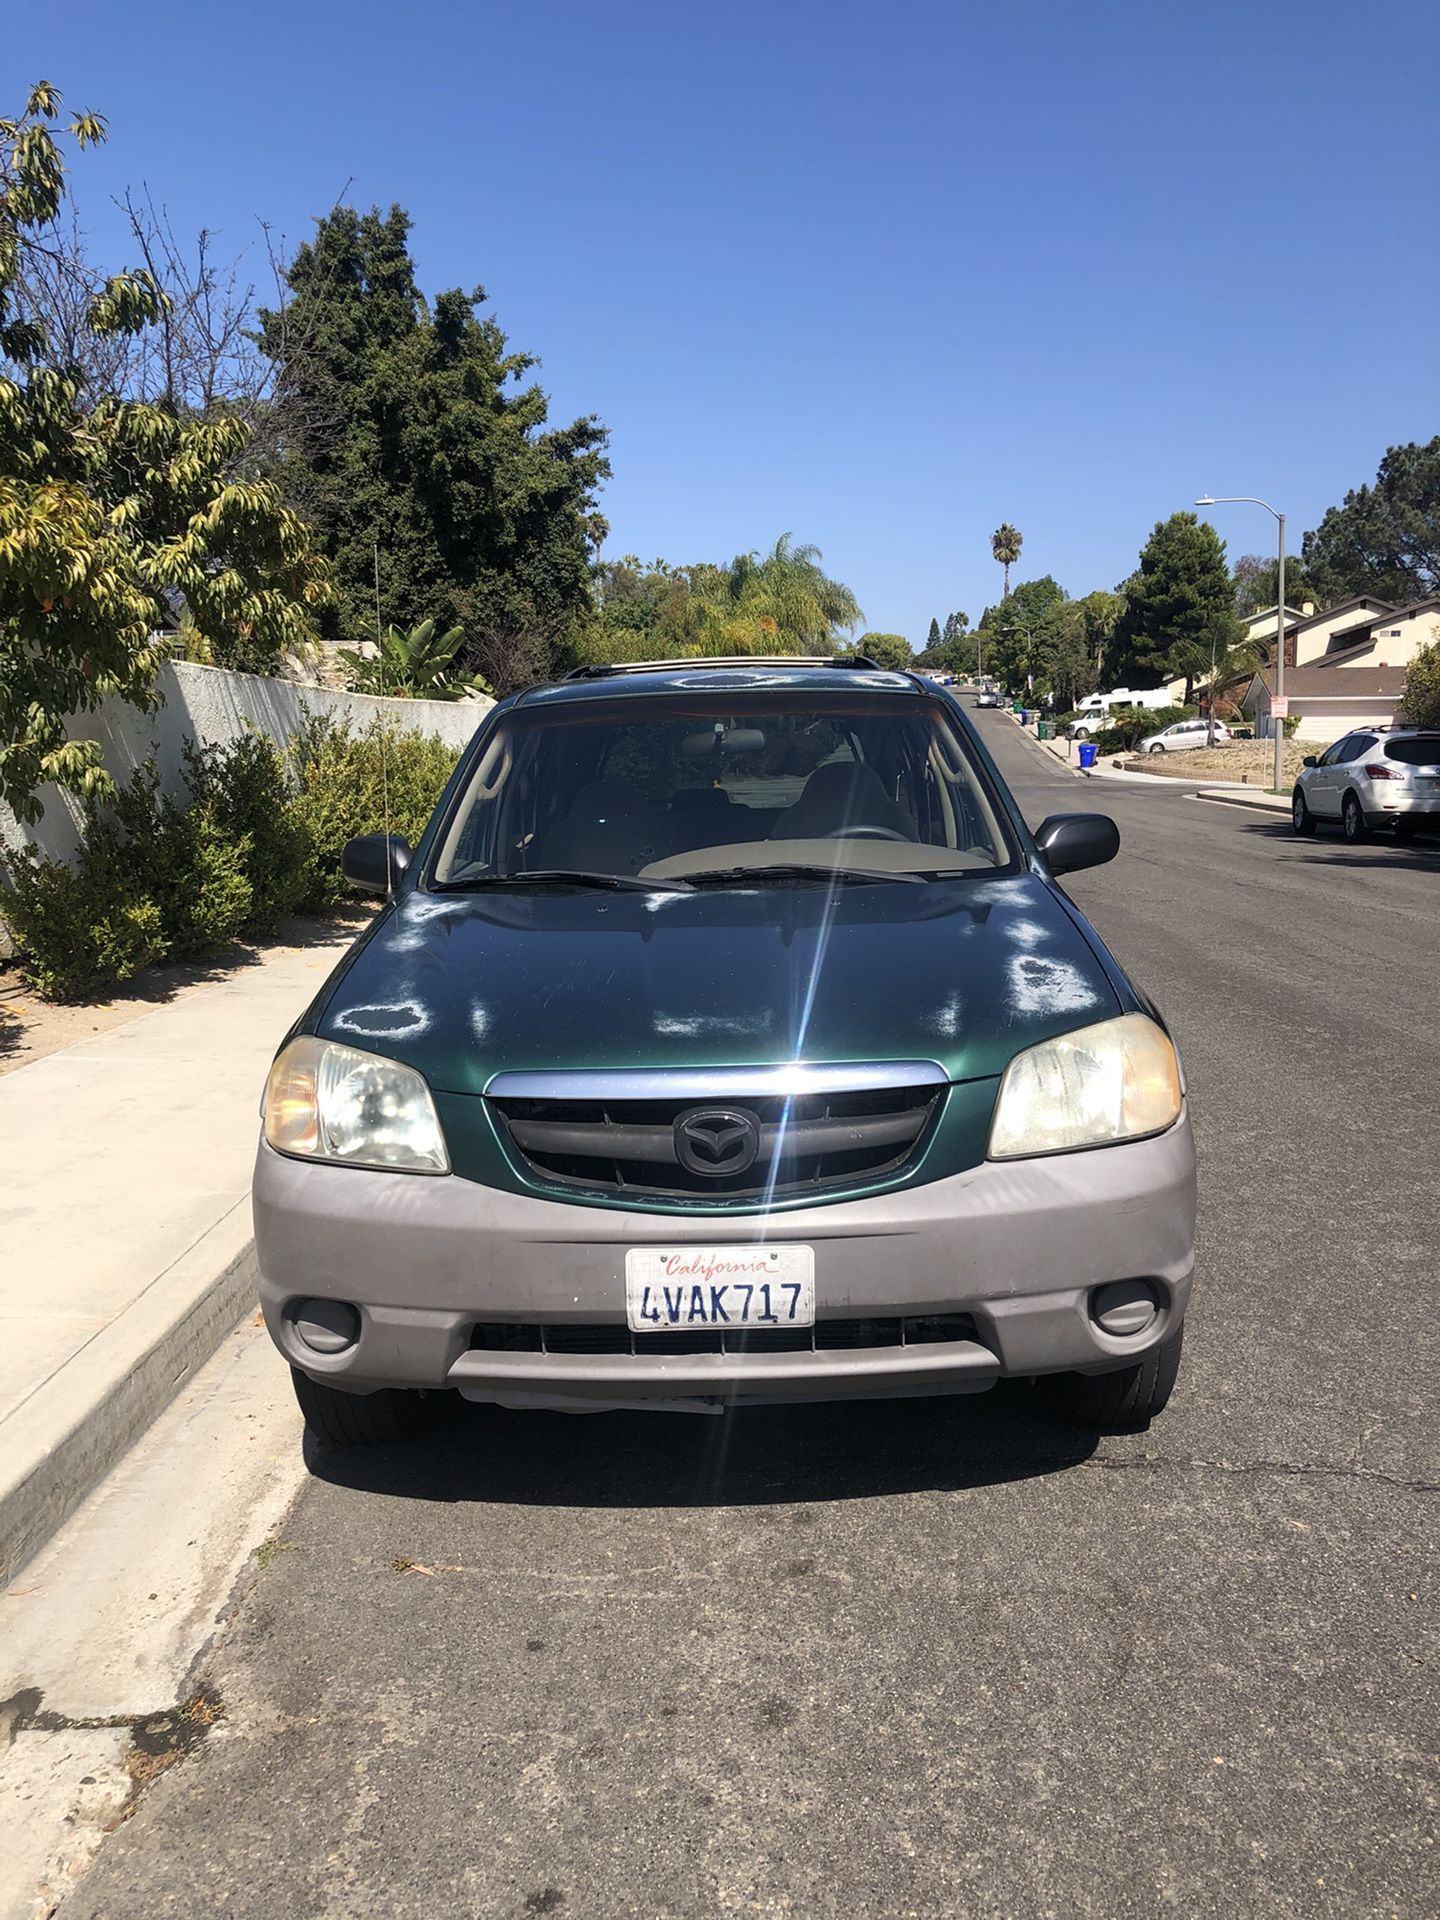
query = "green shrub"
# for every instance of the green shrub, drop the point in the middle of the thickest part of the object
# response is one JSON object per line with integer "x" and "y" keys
{"x": 181, "y": 860}
{"x": 247, "y": 791}
{"x": 1128, "y": 726}
{"x": 259, "y": 834}
{"x": 344, "y": 781}
{"x": 78, "y": 925}
{"x": 1421, "y": 704}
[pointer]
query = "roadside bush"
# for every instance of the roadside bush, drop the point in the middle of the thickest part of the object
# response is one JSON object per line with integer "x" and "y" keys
{"x": 179, "y": 859}
{"x": 1130, "y": 725}
{"x": 1421, "y": 704}
{"x": 258, "y": 835}
{"x": 342, "y": 781}
{"x": 78, "y": 925}
{"x": 247, "y": 791}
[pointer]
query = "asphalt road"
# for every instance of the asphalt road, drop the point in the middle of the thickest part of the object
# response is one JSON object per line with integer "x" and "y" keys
{"x": 936, "y": 1658}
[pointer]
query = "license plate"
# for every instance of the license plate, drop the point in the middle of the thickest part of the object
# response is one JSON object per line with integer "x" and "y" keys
{"x": 721, "y": 1287}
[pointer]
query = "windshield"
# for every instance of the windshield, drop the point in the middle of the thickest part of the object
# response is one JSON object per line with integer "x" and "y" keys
{"x": 722, "y": 784}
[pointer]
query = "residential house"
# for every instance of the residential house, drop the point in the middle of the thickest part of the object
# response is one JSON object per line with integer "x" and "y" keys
{"x": 1327, "y": 700}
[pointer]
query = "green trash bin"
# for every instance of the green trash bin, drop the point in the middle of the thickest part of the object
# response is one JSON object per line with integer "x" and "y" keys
{"x": 1044, "y": 730}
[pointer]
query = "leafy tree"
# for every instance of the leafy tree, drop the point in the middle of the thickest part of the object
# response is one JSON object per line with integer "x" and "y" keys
{"x": 1421, "y": 704}
{"x": 932, "y": 639}
{"x": 1384, "y": 540}
{"x": 1019, "y": 631}
{"x": 955, "y": 625}
{"x": 1257, "y": 581}
{"x": 890, "y": 650}
{"x": 418, "y": 665}
{"x": 116, "y": 516}
{"x": 1067, "y": 665}
{"x": 409, "y": 430}
{"x": 1179, "y": 615}
{"x": 1005, "y": 544}
{"x": 1099, "y": 612}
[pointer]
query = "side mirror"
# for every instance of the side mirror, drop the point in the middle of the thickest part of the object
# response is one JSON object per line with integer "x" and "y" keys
{"x": 375, "y": 861}
{"x": 1069, "y": 841}
{"x": 1311, "y": 760}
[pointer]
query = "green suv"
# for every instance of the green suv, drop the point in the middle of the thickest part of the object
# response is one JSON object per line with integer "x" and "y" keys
{"x": 726, "y": 1039}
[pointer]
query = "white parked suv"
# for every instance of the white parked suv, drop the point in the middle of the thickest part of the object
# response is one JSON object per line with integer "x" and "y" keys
{"x": 1374, "y": 777}
{"x": 1185, "y": 733}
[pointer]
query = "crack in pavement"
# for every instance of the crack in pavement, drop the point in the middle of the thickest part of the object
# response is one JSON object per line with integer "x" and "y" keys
{"x": 1151, "y": 1463}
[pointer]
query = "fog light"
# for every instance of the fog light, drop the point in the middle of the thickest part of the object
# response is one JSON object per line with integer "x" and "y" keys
{"x": 1124, "y": 1307}
{"x": 326, "y": 1326}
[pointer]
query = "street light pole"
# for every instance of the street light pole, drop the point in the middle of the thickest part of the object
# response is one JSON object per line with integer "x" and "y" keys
{"x": 1277, "y": 724}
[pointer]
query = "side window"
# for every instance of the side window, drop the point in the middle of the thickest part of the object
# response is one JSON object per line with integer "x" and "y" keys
{"x": 1357, "y": 744}
{"x": 1333, "y": 755}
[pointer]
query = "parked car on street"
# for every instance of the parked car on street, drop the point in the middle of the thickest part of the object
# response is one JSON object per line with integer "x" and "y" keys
{"x": 1374, "y": 777}
{"x": 726, "y": 1039}
{"x": 988, "y": 699}
{"x": 1186, "y": 733}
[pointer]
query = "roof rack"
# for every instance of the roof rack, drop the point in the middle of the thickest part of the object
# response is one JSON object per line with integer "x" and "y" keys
{"x": 606, "y": 669}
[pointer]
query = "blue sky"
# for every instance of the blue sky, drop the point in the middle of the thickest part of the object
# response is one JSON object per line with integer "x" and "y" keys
{"x": 878, "y": 275}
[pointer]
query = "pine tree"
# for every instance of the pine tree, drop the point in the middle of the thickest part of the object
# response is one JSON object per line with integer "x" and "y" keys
{"x": 932, "y": 639}
{"x": 1179, "y": 613}
{"x": 410, "y": 429}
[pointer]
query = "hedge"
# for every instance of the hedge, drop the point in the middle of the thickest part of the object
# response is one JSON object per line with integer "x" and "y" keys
{"x": 258, "y": 834}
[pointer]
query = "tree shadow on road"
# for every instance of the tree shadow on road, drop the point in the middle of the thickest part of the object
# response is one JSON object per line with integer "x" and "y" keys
{"x": 856, "y": 1450}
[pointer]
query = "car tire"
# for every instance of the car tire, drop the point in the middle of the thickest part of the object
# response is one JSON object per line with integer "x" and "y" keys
{"x": 1157, "y": 748}
{"x": 337, "y": 1419}
{"x": 1301, "y": 817}
{"x": 1352, "y": 821}
{"x": 1129, "y": 1398}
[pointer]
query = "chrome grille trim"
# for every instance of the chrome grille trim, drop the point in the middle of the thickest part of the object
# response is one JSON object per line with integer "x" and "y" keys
{"x": 717, "y": 1083}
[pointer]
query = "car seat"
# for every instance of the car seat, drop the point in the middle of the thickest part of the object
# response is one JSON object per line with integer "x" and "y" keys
{"x": 840, "y": 795}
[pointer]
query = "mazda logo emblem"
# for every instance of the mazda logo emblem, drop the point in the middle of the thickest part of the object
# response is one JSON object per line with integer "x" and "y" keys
{"x": 716, "y": 1141}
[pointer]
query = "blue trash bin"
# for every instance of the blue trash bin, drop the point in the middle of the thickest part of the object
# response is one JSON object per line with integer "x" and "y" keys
{"x": 1088, "y": 751}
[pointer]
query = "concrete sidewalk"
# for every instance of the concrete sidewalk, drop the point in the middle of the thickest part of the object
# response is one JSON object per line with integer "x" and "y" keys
{"x": 125, "y": 1249}
{"x": 1240, "y": 792}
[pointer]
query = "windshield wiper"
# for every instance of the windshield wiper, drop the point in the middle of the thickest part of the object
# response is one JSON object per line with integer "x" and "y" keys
{"x": 798, "y": 870}
{"x": 561, "y": 877}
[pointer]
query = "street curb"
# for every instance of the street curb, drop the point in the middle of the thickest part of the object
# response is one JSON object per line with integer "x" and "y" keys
{"x": 1237, "y": 797}
{"x": 73, "y": 1428}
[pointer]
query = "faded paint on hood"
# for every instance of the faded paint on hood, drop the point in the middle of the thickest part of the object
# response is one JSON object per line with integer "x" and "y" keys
{"x": 464, "y": 986}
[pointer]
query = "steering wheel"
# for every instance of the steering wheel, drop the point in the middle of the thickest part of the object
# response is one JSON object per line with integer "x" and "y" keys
{"x": 868, "y": 833}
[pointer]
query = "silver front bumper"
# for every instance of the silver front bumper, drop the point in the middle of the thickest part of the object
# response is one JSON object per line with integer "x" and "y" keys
{"x": 1017, "y": 1245}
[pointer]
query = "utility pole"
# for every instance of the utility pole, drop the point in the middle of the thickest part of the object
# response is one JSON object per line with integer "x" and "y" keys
{"x": 1278, "y": 702}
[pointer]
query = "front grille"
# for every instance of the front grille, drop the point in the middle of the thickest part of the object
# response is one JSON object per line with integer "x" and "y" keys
{"x": 826, "y": 1336}
{"x": 804, "y": 1143}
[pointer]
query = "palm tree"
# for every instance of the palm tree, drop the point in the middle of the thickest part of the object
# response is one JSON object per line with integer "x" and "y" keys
{"x": 1005, "y": 544}
{"x": 780, "y": 603}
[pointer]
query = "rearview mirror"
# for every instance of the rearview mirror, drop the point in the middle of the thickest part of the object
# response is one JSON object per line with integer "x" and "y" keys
{"x": 1069, "y": 841}
{"x": 1311, "y": 760}
{"x": 724, "y": 740}
{"x": 375, "y": 861}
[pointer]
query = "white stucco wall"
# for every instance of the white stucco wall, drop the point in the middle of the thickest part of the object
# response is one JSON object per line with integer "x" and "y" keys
{"x": 210, "y": 706}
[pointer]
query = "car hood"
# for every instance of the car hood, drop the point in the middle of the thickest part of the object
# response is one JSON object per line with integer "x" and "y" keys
{"x": 964, "y": 973}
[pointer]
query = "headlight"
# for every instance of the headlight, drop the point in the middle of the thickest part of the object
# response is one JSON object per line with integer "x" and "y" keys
{"x": 1116, "y": 1081}
{"x": 328, "y": 1102}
